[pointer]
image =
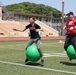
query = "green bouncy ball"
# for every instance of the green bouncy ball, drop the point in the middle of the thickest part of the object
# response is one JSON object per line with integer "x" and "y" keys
{"x": 71, "y": 52}
{"x": 32, "y": 53}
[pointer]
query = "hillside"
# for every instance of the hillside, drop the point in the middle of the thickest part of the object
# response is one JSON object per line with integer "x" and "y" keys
{"x": 28, "y": 7}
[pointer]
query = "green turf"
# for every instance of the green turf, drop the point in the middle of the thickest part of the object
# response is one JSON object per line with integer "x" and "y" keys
{"x": 15, "y": 52}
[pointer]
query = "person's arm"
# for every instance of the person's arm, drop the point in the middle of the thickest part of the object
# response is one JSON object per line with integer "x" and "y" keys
{"x": 19, "y": 30}
{"x": 26, "y": 27}
{"x": 37, "y": 30}
{"x": 75, "y": 24}
{"x": 64, "y": 27}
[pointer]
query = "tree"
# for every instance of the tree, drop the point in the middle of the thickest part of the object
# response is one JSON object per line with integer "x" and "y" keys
{"x": 28, "y": 7}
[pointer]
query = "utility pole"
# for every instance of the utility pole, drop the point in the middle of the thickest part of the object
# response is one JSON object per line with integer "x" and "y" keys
{"x": 62, "y": 17}
{"x": 51, "y": 16}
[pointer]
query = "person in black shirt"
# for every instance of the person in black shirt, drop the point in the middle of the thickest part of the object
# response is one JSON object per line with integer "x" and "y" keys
{"x": 34, "y": 37}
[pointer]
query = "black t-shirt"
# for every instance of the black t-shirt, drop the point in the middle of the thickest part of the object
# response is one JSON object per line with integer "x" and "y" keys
{"x": 33, "y": 33}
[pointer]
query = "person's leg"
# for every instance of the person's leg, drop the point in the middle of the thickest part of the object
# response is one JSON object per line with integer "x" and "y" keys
{"x": 74, "y": 42}
{"x": 41, "y": 54}
{"x": 40, "y": 41}
{"x": 67, "y": 42}
{"x": 29, "y": 43}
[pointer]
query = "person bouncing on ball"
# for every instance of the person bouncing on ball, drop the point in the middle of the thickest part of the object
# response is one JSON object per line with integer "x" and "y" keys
{"x": 70, "y": 32}
{"x": 34, "y": 37}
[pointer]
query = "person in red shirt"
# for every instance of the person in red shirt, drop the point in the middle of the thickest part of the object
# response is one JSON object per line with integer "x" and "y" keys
{"x": 70, "y": 31}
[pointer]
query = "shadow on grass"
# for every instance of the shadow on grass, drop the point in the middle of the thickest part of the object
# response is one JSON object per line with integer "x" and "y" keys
{"x": 33, "y": 64}
{"x": 30, "y": 63}
{"x": 68, "y": 63}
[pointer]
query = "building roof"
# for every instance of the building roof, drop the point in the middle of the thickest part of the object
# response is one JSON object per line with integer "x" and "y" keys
{"x": 29, "y": 14}
{"x": 34, "y": 15}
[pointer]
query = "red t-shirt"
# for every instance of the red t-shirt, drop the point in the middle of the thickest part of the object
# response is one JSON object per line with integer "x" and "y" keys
{"x": 71, "y": 24}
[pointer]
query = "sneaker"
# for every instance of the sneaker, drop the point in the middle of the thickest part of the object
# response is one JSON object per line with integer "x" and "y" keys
{"x": 26, "y": 61}
{"x": 40, "y": 43}
{"x": 42, "y": 62}
{"x": 70, "y": 59}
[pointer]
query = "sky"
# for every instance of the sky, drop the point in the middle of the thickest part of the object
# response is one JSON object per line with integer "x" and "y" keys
{"x": 69, "y": 5}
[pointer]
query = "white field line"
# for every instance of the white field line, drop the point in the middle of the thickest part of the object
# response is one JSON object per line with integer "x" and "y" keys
{"x": 42, "y": 68}
{"x": 13, "y": 45}
{"x": 25, "y": 44}
{"x": 55, "y": 55}
{"x": 59, "y": 53}
{"x": 10, "y": 47}
{"x": 45, "y": 55}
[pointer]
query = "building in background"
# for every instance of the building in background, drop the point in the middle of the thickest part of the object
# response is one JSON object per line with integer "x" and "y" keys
{"x": 55, "y": 23}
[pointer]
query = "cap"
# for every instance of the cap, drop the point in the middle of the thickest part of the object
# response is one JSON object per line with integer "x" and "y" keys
{"x": 70, "y": 13}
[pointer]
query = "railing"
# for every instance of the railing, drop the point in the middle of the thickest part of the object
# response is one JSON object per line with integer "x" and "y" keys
{"x": 8, "y": 15}
{"x": 50, "y": 28}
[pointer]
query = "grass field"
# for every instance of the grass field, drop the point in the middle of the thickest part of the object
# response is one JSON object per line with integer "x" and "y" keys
{"x": 12, "y": 57}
